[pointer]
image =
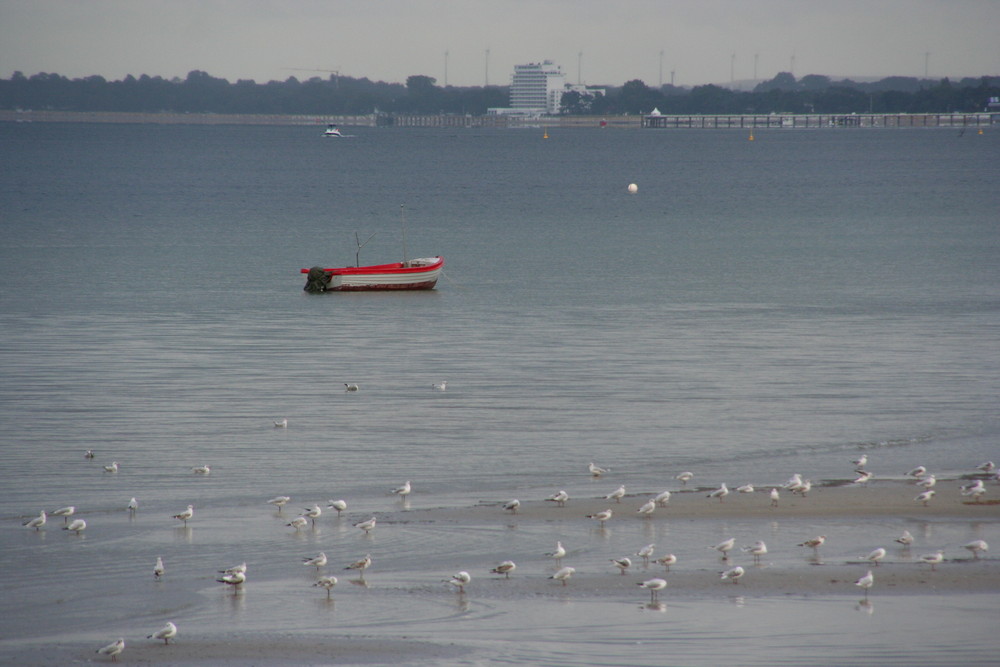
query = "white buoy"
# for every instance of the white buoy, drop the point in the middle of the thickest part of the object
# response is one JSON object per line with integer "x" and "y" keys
{"x": 632, "y": 188}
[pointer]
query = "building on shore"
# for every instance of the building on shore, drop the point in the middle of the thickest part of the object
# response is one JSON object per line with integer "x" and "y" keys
{"x": 536, "y": 89}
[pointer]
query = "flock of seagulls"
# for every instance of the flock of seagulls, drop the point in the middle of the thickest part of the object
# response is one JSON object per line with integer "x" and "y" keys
{"x": 236, "y": 576}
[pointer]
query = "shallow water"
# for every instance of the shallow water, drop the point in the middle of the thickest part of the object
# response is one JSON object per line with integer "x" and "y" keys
{"x": 755, "y": 310}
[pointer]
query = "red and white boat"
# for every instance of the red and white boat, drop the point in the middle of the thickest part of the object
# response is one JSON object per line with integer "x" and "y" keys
{"x": 413, "y": 274}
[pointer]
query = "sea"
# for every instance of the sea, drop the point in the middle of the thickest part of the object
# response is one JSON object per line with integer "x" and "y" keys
{"x": 761, "y": 305}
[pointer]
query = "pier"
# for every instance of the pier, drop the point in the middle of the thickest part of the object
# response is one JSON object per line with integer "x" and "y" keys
{"x": 868, "y": 120}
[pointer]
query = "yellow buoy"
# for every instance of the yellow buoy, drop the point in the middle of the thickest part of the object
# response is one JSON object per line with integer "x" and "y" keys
{"x": 980, "y": 130}
{"x": 751, "y": 136}
{"x": 546, "y": 135}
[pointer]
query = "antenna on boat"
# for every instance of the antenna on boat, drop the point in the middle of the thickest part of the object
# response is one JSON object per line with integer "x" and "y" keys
{"x": 402, "y": 218}
{"x": 357, "y": 255}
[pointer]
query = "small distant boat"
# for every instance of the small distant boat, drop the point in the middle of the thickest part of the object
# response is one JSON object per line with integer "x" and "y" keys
{"x": 413, "y": 274}
{"x": 332, "y": 131}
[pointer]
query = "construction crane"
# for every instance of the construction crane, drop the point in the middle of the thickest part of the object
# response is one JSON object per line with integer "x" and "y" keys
{"x": 335, "y": 72}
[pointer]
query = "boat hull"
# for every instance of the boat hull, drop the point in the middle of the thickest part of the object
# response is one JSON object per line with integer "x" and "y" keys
{"x": 416, "y": 274}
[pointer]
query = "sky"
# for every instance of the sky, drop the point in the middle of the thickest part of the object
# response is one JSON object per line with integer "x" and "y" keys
{"x": 477, "y": 42}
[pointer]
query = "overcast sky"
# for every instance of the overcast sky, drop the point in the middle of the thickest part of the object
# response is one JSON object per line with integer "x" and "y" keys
{"x": 702, "y": 41}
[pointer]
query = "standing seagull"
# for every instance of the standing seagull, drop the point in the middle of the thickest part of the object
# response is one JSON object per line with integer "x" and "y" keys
{"x": 279, "y": 502}
{"x": 77, "y": 526}
{"x": 875, "y": 556}
{"x": 662, "y": 499}
{"x": 339, "y": 505}
{"x": 863, "y": 478}
{"x": 459, "y": 580}
{"x": 361, "y": 565}
{"x": 976, "y": 547}
{"x": 559, "y": 497}
{"x": 281, "y": 423}
{"x": 925, "y": 497}
{"x": 351, "y": 386}
{"x": 505, "y": 568}
{"x": 202, "y": 470}
{"x": 111, "y": 468}
{"x": 558, "y": 553}
{"x": 684, "y": 477}
{"x": 235, "y": 580}
{"x": 646, "y": 553}
{"x": 319, "y": 561}
{"x": 720, "y": 492}
{"x": 403, "y": 490}
{"x": 724, "y": 547}
{"x": 512, "y": 505}
{"x": 617, "y": 494}
{"x": 133, "y": 505}
{"x": 64, "y": 512}
{"x": 654, "y": 586}
{"x": 298, "y": 522}
{"x": 564, "y": 574}
{"x": 37, "y": 522}
{"x": 596, "y": 470}
{"x": 975, "y": 490}
{"x": 757, "y": 549}
{"x": 933, "y": 559}
{"x": 89, "y": 454}
{"x": 733, "y": 574}
{"x": 158, "y": 569}
{"x": 112, "y": 649}
{"x": 313, "y": 513}
{"x": 775, "y": 496}
{"x": 366, "y": 526}
{"x": 746, "y": 488}
{"x": 166, "y": 633}
{"x": 601, "y": 516}
{"x": 866, "y": 582}
{"x": 647, "y": 509}
{"x": 667, "y": 561}
{"x": 860, "y": 463}
{"x": 440, "y": 386}
{"x": 814, "y": 543}
{"x": 622, "y": 564}
{"x": 906, "y": 539}
{"x": 917, "y": 472}
{"x": 326, "y": 582}
{"x": 185, "y": 515}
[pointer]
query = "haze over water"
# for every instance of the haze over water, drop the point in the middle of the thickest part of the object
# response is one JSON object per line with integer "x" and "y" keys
{"x": 756, "y": 309}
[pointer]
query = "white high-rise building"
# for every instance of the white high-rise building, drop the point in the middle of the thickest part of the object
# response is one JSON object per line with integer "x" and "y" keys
{"x": 537, "y": 87}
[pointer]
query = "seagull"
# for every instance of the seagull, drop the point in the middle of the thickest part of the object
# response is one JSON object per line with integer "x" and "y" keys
{"x": 77, "y": 526}
{"x": 775, "y": 496}
{"x": 201, "y": 470}
{"x": 805, "y": 488}
{"x": 757, "y": 549}
{"x": 746, "y": 488}
{"x": 667, "y": 561}
{"x": 654, "y": 586}
{"x": 112, "y": 649}
{"x": 794, "y": 482}
{"x": 719, "y": 493}
{"x": 361, "y": 565}
{"x": 814, "y": 543}
{"x": 863, "y": 478}
{"x": 512, "y": 505}
{"x": 559, "y": 497}
{"x": 235, "y": 580}
{"x": 684, "y": 477}
{"x": 158, "y": 569}
{"x": 339, "y": 505}
{"x": 975, "y": 490}
{"x": 601, "y": 516}
{"x": 622, "y": 563}
{"x": 235, "y": 569}
{"x": 366, "y": 526}
{"x": 558, "y": 553}
{"x": 927, "y": 482}
{"x": 596, "y": 470}
{"x": 647, "y": 509}
{"x": 133, "y": 505}
{"x": 564, "y": 574}
{"x": 326, "y": 582}
{"x": 351, "y": 386}
{"x": 906, "y": 539}
{"x": 662, "y": 498}
{"x": 917, "y": 472}
{"x": 37, "y": 522}
{"x": 725, "y": 547}
{"x": 313, "y": 513}
{"x": 298, "y": 522}
{"x": 64, "y": 512}
{"x": 281, "y": 423}
{"x": 976, "y": 546}
{"x": 166, "y": 633}
{"x": 279, "y": 502}
{"x": 111, "y": 468}
{"x": 185, "y": 515}
{"x": 876, "y": 556}
{"x": 733, "y": 573}
{"x": 505, "y": 568}
{"x": 646, "y": 552}
{"x": 617, "y": 494}
{"x": 866, "y": 582}
{"x": 933, "y": 558}
{"x": 987, "y": 467}
{"x": 860, "y": 462}
{"x": 925, "y": 497}
{"x": 319, "y": 561}
{"x": 440, "y": 386}
{"x": 459, "y": 580}
{"x": 89, "y": 454}
{"x": 403, "y": 490}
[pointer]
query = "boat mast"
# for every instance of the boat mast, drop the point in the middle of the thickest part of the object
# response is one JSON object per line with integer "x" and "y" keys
{"x": 402, "y": 219}
{"x": 357, "y": 255}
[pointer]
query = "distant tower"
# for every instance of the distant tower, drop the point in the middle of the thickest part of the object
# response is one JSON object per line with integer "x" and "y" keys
{"x": 579, "y": 68}
{"x": 486, "y": 77}
{"x": 732, "y": 69}
{"x": 756, "y": 57}
{"x": 661, "y": 68}
{"x": 927, "y": 64}
{"x": 446, "y": 69}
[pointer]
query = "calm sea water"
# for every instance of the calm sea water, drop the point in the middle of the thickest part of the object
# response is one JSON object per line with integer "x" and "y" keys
{"x": 756, "y": 309}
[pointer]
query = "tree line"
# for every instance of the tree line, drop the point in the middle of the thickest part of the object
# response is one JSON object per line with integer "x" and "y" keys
{"x": 200, "y": 92}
